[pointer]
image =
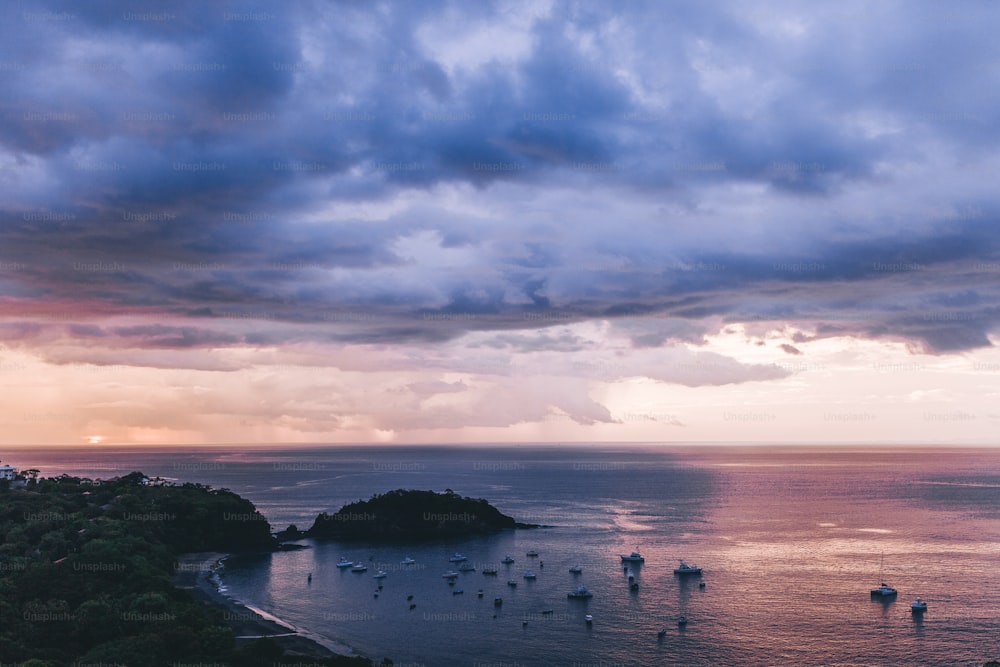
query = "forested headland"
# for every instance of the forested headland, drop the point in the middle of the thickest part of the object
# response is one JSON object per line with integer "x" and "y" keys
{"x": 86, "y": 569}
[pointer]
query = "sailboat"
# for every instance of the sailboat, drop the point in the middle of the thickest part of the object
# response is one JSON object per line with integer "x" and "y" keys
{"x": 884, "y": 591}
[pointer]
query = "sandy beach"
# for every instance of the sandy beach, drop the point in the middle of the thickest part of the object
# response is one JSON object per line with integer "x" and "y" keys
{"x": 194, "y": 573}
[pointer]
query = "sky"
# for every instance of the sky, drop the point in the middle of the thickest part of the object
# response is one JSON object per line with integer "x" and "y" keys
{"x": 544, "y": 221}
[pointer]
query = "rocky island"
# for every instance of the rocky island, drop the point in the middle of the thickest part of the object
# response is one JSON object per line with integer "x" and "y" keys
{"x": 413, "y": 515}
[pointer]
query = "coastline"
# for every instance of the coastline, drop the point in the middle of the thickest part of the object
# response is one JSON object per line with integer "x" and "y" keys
{"x": 196, "y": 572}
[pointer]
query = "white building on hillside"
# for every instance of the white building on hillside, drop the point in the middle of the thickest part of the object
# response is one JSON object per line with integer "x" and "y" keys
{"x": 8, "y": 472}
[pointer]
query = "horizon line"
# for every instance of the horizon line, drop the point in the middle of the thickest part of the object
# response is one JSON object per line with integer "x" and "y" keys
{"x": 513, "y": 444}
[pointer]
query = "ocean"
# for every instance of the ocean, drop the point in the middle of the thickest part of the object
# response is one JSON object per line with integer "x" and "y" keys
{"x": 790, "y": 539}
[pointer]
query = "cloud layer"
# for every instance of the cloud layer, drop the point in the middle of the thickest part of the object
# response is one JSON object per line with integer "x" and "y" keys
{"x": 211, "y": 177}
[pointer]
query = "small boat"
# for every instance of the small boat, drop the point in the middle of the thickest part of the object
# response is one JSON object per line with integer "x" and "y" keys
{"x": 497, "y": 602}
{"x": 661, "y": 632}
{"x": 407, "y": 561}
{"x": 466, "y": 567}
{"x": 457, "y": 558}
{"x": 457, "y": 591}
{"x": 580, "y": 593}
{"x": 360, "y": 567}
{"x": 490, "y": 571}
{"x": 345, "y": 563}
{"x": 918, "y": 606}
{"x": 507, "y": 560}
{"x": 450, "y": 574}
{"x": 309, "y": 579}
{"x": 547, "y": 611}
{"x": 409, "y": 597}
{"x": 631, "y": 574}
{"x": 576, "y": 569}
{"x": 588, "y": 619}
{"x": 479, "y": 593}
{"x": 412, "y": 607}
{"x": 884, "y": 591}
{"x": 524, "y": 624}
{"x": 379, "y": 575}
{"x": 634, "y": 557}
{"x": 633, "y": 586}
{"x": 530, "y": 575}
{"x": 376, "y": 593}
{"x": 511, "y": 583}
{"x": 684, "y": 568}
{"x": 532, "y": 554}
{"x": 682, "y": 620}
{"x": 701, "y": 585}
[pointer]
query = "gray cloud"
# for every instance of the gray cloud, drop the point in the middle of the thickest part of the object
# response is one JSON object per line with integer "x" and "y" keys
{"x": 342, "y": 179}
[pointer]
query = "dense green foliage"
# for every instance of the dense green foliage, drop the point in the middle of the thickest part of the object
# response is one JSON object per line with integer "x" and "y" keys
{"x": 86, "y": 572}
{"x": 403, "y": 514}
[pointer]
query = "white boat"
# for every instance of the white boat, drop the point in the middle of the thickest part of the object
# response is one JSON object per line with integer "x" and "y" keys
{"x": 457, "y": 558}
{"x": 450, "y": 574}
{"x": 684, "y": 568}
{"x": 532, "y": 554}
{"x": 345, "y": 563}
{"x": 507, "y": 560}
{"x": 407, "y": 561}
{"x": 379, "y": 575}
{"x": 581, "y": 593}
{"x": 884, "y": 590}
{"x": 918, "y": 606}
{"x": 360, "y": 567}
{"x": 576, "y": 569}
{"x": 497, "y": 601}
{"x": 530, "y": 575}
{"x": 457, "y": 591}
{"x": 588, "y": 619}
{"x": 511, "y": 583}
{"x": 634, "y": 557}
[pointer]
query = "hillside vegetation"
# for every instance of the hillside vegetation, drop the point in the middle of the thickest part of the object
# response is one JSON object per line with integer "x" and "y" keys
{"x": 412, "y": 515}
{"x": 86, "y": 573}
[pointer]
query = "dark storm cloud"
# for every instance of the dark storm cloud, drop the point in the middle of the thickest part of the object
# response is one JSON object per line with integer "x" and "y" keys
{"x": 281, "y": 163}
{"x": 168, "y": 336}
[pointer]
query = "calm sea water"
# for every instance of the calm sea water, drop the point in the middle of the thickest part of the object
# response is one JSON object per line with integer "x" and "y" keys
{"x": 790, "y": 539}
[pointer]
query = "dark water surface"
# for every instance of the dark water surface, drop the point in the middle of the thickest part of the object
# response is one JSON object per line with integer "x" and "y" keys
{"x": 790, "y": 540}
